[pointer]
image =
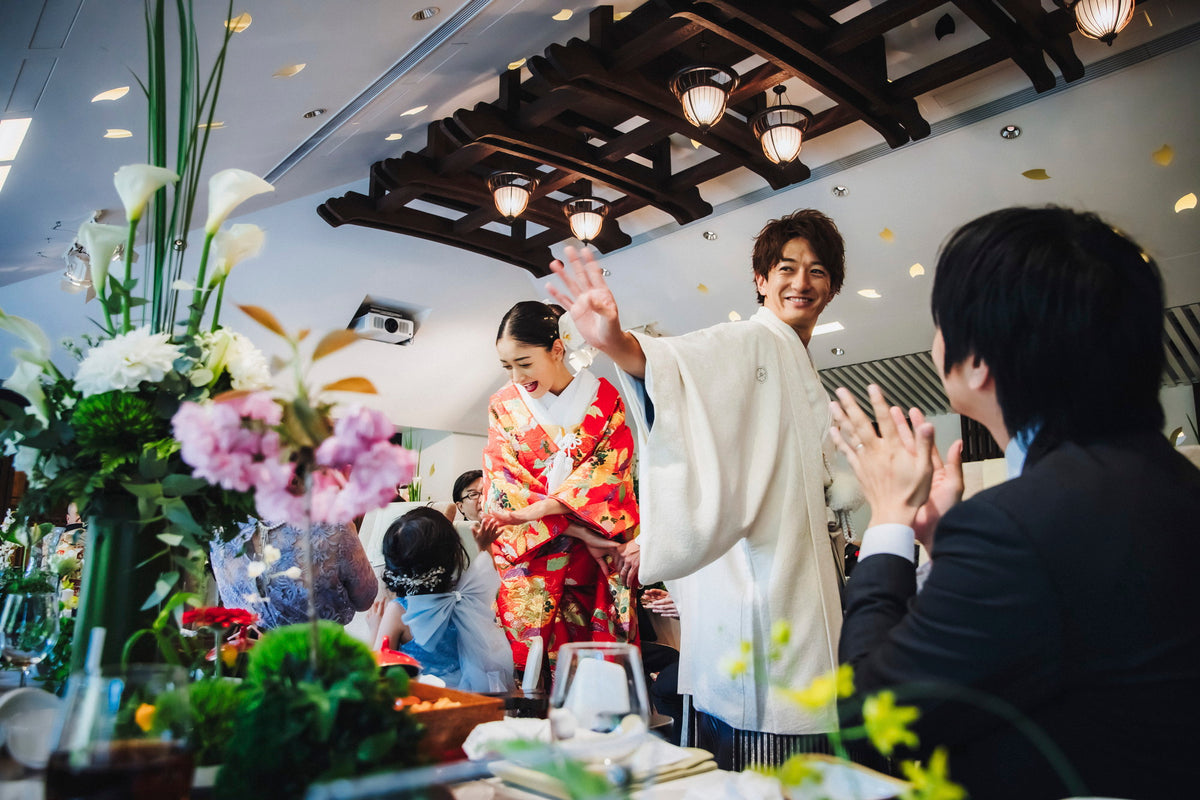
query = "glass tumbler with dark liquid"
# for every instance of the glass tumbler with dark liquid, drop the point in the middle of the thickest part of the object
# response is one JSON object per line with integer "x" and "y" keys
{"x": 124, "y": 735}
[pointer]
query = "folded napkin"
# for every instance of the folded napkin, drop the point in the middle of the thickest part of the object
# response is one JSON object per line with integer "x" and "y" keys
{"x": 655, "y": 761}
{"x": 483, "y": 740}
{"x": 840, "y": 780}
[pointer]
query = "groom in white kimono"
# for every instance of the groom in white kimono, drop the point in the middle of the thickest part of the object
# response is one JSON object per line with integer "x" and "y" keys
{"x": 734, "y": 456}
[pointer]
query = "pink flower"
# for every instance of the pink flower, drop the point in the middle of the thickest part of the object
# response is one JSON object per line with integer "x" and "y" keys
{"x": 358, "y": 431}
{"x": 373, "y": 481}
{"x": 221, "y": 447}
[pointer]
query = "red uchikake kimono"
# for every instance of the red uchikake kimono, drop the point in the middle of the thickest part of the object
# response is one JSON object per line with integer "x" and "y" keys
{"x": 550, "y": 586}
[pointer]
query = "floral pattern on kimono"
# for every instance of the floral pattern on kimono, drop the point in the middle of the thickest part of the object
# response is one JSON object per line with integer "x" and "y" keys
{"x": 550, "y": 586}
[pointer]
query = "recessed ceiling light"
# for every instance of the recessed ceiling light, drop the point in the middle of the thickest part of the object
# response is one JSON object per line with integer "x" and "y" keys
{"x": 516, "y": 64}
{"x": 869, "y": 293}
{"x": 734, "y": 316}
{"x": 112, "y": 94}
{"x": 316, "y": 112}
{"x": 605, "y": 272}
{"x": 239, "y": 23}
{"x": 916, "y": 270}
{"x": 1186, "y": 202}
{"x": 1177, "y": 437}
{"x": 414, "y": 110}
{"x": 428, "y": 12}
{"x": 4, "y": 174}
{"x": 837, "y": 351}
{"x": 1010, "y": 132}
{"x": 711, "y": 236}
{"x": 839, "y": 191}
{"x": 393, "y": 137}
{"x": 117, "y": 133}
{"x": 12, "y": 133}
{"x": 288, "y": 71}
{"x": 828, "y": 327}
{"x": 212, "y": 126}
{"x": 563, "y": 15}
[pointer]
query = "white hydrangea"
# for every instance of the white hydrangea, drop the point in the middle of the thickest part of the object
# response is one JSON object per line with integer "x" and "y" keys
{"x": 125, "y": 361}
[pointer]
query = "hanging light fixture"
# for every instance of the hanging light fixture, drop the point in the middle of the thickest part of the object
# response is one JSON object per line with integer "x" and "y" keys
{"x": 703, "y": 91}
{"x": 1102, "y": 19}
{"x": 586, "y": 215}
{"x": 511, "y": 191}
{"x": 780, "y": 129}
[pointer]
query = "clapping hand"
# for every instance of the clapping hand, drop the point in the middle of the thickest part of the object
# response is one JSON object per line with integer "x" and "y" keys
{"x": 629, "y": 558}
{"x": 894, "y": 469}
{"x": 485, "y": 532}
{"x": 946, "y": 485}
{"x": 660, "y": 602}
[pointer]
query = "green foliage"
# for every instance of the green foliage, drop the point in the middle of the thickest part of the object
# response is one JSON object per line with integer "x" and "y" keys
{"x": 295, "y": 727}
{"x": 56, "y": 667}
{"x": 116, "y": 423}
{"x": 215, "y": 704}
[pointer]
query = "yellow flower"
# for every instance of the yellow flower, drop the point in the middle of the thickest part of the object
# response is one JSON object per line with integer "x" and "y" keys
{"x": 824, "y": 689}
{"x": 932, "y": 782}
{"x": 781, "y": 632}
{"x": 144, "y": 717}
{"x": 229, "y": 655}
{"x": 887, "y": 723}
{"x": 799, "y": 770}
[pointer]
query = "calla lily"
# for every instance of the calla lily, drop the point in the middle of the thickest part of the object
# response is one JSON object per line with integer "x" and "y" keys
{"x": 136, "y": 184}
{"x": 26, "y": 381}
{"x": 227, "y": 190}
{"x": 31, "y": 333}
{"x": 100, "y": 241}
{"x": 240, "y": 242}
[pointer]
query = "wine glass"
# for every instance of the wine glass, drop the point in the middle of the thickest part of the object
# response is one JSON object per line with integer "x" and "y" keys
{"x": 28, "y": 628}
{"x": 124, "y": 733}
{"x": 599, "y": 709}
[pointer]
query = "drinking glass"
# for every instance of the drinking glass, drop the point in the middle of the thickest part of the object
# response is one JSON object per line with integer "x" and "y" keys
{"x": 124, "y": 734}
{"x": 599, "y": 711}
{"x": 28, "y": 628}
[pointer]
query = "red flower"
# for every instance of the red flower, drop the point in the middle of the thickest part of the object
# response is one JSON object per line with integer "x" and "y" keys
{"x": 218, "y": 617}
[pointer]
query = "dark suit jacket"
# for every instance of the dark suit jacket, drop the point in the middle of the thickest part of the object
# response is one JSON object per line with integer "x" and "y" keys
{"x": 1072, "y": 594}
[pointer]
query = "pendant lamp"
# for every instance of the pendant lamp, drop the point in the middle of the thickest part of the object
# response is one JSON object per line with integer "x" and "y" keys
{"x": 511, "y": 192}
{"x": 1102, "y": 19}
{"x": 586, "y": 215}
{"x": 780, "y": 129}
{"x": 703, "y": 91}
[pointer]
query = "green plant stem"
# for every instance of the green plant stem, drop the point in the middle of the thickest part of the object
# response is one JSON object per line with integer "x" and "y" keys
{"x": 217, "y": 307}
{"x": 126, "y": 323}
{"x": 198, "y": 300}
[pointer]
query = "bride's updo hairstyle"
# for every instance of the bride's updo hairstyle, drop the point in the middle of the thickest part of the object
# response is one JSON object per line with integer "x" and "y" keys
{"x": 531, "y": 323}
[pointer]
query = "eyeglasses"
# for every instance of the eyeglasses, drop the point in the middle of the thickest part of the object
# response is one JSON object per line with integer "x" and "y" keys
{"x": 472, "y": 495}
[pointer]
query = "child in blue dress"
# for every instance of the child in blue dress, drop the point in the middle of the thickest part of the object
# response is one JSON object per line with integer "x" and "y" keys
{"x": 443, "y": 612}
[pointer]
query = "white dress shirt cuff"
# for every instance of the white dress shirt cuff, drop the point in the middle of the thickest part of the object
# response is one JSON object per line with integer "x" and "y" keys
{"x": 890, "y": 537}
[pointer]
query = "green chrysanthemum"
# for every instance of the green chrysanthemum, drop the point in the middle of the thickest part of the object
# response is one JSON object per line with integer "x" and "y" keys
{"x": 116, "y": 423}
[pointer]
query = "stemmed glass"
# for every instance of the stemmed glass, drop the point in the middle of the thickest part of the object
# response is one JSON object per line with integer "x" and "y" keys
{"x": 599, "y": 710}
{"x": 28, "y": 628}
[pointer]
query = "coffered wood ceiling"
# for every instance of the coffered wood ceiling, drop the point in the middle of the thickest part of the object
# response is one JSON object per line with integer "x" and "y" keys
{"x": 597, "y": 115}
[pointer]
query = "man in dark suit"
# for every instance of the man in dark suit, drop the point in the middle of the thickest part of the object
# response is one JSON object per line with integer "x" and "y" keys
{"x": 1055, "y": 647}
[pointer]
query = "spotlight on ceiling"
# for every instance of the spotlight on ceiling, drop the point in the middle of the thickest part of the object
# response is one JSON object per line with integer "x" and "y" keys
{"x": 703, "y": 91}
{"x": 780, "y": 129}
{"x": 1101, "y": 19}
{"x": 511, "y": 191}
{"x": 586, "y": 215}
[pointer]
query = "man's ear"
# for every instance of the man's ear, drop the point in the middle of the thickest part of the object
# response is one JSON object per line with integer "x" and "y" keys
{"x": 760, "y": 283}
{"x": 977, "y": 373}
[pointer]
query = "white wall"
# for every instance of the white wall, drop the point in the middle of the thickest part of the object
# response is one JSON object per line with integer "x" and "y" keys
{"x": 445, "y": 456}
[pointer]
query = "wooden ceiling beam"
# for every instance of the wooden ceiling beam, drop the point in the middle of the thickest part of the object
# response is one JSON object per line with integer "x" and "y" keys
{"x": 1019, "y": 46}
{"x": 874, "y": 22}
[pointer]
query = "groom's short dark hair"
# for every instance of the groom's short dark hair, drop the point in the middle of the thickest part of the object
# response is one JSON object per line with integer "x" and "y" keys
{"x": 1066, "y": 311}
{"x": 809, "y": 224}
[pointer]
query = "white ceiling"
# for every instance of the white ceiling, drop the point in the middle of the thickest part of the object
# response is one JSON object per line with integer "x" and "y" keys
{"x": 1094, "y": 139}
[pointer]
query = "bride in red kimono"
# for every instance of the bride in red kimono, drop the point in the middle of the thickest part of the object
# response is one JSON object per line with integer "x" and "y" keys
{"x": 558, "y": 470}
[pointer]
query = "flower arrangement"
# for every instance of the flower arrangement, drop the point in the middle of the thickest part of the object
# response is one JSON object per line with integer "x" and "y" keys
{"x": 99, "y": 432}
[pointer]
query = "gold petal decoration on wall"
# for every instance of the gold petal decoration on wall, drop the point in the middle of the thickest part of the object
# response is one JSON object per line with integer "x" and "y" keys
{"x": 1036, "y": 174}
{"x": 701, "y": 288}
{"x": 1163, "y": 155}
{"x": 288, "y": 71}
{"x": 1188, "y": 201}
{"x": 239, "y": 23}
{"x": 916, "y": 270}
{"x": 887, "y": 235}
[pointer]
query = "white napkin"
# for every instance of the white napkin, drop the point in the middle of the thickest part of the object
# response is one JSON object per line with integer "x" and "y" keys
{"x": 481, "y": 742}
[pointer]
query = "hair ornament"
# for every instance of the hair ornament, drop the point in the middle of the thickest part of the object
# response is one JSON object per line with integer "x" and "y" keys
{"x": 410, "y": 584}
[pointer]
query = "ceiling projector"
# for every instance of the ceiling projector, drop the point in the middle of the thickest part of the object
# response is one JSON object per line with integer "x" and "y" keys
{"x": 383, "y": 326}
